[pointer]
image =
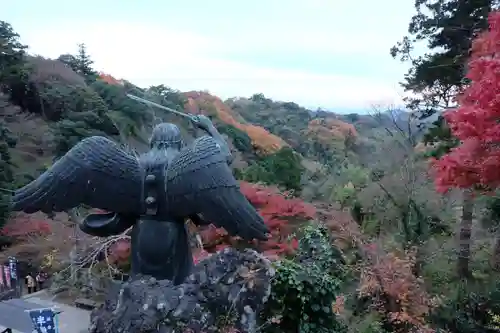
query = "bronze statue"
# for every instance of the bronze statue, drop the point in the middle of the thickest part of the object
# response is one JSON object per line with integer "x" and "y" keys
{"x": 154, "y": 193}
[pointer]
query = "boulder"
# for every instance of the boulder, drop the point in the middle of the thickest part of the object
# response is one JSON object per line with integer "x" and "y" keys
{"x": 225, "y": 291}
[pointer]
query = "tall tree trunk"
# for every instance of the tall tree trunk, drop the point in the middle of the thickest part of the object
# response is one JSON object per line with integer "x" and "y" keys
{"x": 495, "y": 260}
{"x": 465, "y": 235}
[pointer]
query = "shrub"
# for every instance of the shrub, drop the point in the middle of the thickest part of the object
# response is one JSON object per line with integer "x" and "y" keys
{"x": 282, "y": 168}
{"x": 305, "y": 292}
{"x": 241, "y": 140}
{"x": 471, "y": 307}
{"x": 400, "y": 296}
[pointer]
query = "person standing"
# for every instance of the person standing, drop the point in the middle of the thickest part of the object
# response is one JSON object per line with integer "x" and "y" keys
{"x": 30, "y": 281}
{"x": 40, "y": 279}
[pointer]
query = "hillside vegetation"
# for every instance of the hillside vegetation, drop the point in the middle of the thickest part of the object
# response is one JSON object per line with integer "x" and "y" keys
{"x": 361, "y": 239}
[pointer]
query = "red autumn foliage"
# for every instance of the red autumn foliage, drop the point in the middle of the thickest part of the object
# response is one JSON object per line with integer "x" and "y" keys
{"x": 281, "y": 214}
{"x": 120, "y": 250}
{"x": 119, "y": 254}
{"x": 475, "y": 122}
{"x": 199, "y": 255}
{"x": 22, "y": 226}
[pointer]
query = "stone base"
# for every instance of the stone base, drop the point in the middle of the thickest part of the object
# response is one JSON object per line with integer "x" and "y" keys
{"x": 228, "y": 289}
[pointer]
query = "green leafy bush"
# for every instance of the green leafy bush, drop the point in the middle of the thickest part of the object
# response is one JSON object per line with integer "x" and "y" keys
{"x": 117, "y": 101}
{"x": 61, "y": 99}
{"x": 306, "y": 287}
{"x": 282, "y": 168}
{"x": 240, "y": 139}
{"x": 473, "y": 307}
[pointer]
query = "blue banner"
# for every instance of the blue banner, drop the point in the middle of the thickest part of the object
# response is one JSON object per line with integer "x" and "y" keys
{"x": 44, "y": 320}
{"x": 13, "y": 268}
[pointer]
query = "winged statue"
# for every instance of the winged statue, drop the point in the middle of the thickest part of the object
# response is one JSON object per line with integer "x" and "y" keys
{"x": 154, "y": 193}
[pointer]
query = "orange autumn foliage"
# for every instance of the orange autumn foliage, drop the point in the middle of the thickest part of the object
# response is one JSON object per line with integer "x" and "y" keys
{"x": 110, "y": 79}
{"x": 387, "y": 278}
{"x": 326, "y": 129}
{"x": 401, "y": 297}
{"x": 264, "y": 142}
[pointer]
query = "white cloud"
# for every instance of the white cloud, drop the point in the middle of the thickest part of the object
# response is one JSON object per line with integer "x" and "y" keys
{"x": 148, "y": 54}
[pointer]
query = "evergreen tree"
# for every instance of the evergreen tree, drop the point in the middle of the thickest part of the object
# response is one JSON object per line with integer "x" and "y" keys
{"x": 84, "y": 63}
{"x": 448, "y": 27}
{"x": 13, "y": 69}
{"x": 13, "y": 78}
{"x": 6, "y": 172}
{"x": 81, "y": 63}
{"x": 11, "y": 52}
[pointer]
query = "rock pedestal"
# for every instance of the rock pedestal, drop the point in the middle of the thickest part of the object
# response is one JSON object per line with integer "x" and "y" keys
{"x": 226, "y": 290}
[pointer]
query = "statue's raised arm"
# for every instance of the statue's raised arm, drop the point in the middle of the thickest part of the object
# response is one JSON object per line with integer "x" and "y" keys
{"x": 206, "y": 124}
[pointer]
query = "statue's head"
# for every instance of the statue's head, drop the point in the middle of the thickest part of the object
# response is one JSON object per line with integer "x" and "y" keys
{"x": 166, "y": 135}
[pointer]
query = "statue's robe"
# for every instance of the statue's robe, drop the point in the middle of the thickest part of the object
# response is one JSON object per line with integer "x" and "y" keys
{"x": 158, "y": 248}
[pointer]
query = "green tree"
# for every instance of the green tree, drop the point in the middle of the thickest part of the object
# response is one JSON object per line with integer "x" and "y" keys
{"x": 13, "y": 78}
{"x": 167, "y": 96}
{"x": 240, "y": 139}
{"x": 84, "y": 63}
{"x": 128, "y": 110}
{"x": 13, "y": 70}
{"x": 11, "y": 52}
{"x": 6, "y": 171}
{"x": 448, "y": 27}
{"x": 82, "y": 113}
{"x": 68, "y": 59}
{"x": 282, "y": 168}
{"x": 81, "y": 63}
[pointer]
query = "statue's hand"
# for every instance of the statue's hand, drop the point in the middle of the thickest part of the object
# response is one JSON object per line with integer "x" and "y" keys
{"x": 203, "y": 122}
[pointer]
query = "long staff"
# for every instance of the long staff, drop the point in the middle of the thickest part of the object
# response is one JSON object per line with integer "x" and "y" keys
{"x": 145, "y": 101}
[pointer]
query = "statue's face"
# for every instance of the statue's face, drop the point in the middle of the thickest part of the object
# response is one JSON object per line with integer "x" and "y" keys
{"x": 166, "y": 134}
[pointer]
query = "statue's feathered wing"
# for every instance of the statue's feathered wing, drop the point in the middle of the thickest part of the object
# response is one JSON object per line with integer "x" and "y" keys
{"x": 199, "y": 181}
{"x": 95, "y": 172}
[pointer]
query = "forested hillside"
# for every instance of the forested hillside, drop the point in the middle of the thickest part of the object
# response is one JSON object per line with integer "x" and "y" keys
{"x": 65, "y": 99}
{"x": 395, "y": 254}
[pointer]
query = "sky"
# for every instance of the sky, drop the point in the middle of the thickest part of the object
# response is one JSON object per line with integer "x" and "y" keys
{"x": 317, "y": 53}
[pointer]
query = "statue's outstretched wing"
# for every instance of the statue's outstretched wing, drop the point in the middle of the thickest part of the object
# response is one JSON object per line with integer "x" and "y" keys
{"x": 199, "y": 181}
{"x": 95, "y": 172}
